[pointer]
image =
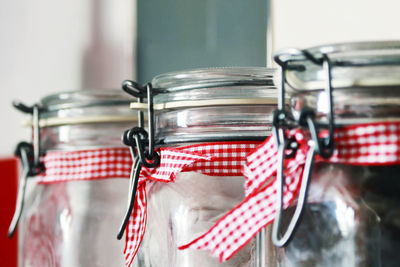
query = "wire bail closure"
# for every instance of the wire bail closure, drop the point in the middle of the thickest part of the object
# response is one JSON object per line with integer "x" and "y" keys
{"x": 141, "y": 144}
{"x": 317, "y": 145}
{"x": 29, "y": 155}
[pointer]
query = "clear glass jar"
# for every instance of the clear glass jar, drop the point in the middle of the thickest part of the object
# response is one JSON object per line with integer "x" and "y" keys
{"x": 352, "y": 214}
{"x": 204, "y": 105}
{"x": 74, "y": 223}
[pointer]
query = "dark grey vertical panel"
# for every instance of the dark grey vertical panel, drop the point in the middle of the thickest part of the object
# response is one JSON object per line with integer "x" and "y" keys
{"x": 181, "y": 34}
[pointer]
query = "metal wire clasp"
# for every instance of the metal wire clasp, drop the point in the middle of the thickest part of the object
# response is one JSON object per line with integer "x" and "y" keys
{"x": 282, "y": 146}
{"x": 141, "y": 143}
{"x": 30, "y": 157}
{"x": 317, "y": 145}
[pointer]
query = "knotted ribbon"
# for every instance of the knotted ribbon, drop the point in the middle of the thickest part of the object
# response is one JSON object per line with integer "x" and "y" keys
{"x": 375, "y": 144}
{"x": 215, "y": 159}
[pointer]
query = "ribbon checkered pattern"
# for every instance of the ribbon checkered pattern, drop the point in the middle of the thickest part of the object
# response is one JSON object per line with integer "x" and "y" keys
{"x": 215, "y": 159}
{"x": 376, "y": 144}
{"x": 104, "y": 163}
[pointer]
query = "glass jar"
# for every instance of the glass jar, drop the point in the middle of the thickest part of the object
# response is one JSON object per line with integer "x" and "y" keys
{"x": 74, "y": 223}
{"x": 195, "y": 108}
{"x": 352, "y": 214}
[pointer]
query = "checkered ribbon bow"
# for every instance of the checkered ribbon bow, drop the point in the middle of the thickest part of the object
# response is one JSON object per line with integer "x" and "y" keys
{"x": 365, "y": 144}
{"x": 215, "y": 159}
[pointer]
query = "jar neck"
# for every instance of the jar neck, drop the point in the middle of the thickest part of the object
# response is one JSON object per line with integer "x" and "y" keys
{"x": 83, "y": 136}
{"x": 351, "y": 105}
{"x": 212, "y": 124}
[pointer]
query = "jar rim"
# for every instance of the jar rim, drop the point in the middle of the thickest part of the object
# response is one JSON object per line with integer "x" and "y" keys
{"x": 348, "y": 47}
{"x": 84, "y": 98}
{"x": 212, "y": 77}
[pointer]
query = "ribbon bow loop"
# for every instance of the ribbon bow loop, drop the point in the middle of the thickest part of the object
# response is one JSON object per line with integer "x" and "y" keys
{"x": 172, "y": 162}
{"x": 257, "y": 210}
{"x": 362, "y": 144}
{"x": 216, "y": 159}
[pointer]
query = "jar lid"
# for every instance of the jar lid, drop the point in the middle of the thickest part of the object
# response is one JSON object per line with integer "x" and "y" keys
{"x": 360, "y": 64}
{"x": 213, "y": 87}
{"x": 365, "y": 80}
{"x": 215, "y": 104}
{"x": 86, "y": 106}
{"x": 213, "y": 77}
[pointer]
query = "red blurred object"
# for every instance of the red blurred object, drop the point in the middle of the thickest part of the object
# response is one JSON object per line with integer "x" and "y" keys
{"x": 8, "y": 196}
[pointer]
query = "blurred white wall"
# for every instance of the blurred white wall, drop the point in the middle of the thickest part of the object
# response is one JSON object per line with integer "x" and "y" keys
{"x": 308, "y": 23}
{"x": 48, "y": 46}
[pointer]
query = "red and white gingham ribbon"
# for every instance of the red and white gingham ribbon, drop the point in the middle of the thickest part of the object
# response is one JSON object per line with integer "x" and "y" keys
{"x": 375, "y": 144}
{"x": 104, "y": 163}
{"x": 216, "y": 159}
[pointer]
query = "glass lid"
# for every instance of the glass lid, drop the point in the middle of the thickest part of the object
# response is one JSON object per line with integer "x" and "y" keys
{"x": 361, "y": 64}
{"x": 212, "y": 77}
{"x": 86, "y": 106}
{"x": 84, "y": 98}
{"x": 215, "y": 83}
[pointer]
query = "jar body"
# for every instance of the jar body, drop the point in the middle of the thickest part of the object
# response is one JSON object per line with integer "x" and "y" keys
{"x": 180, "y": 211}
{"x": 74, "y": 223}
{"x": 351, "y": 219}
{"x": 199, "y": 107}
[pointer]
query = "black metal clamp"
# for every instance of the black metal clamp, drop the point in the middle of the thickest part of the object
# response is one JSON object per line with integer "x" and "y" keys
{"x": 325, "y": 145}
{"x": 141, "y": 143}
{"x": 321, "y": 146}
{"x": 30, "y": 158}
